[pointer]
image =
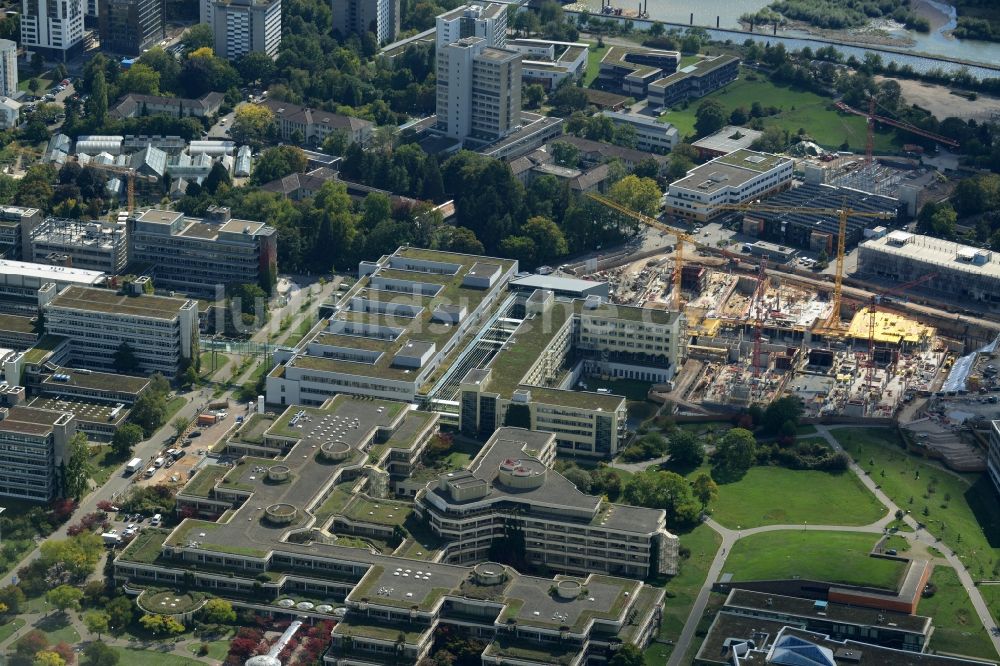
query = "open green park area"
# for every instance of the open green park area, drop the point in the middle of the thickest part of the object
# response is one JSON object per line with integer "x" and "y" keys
{"x": 798, "y": 109}
{"x": 782, "y": 496}
{"x": 839, "y": 557}
{"x": 957, "y": 628}
{"x": 961, "y": 510}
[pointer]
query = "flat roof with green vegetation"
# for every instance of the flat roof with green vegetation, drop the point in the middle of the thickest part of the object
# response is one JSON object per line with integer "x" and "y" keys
{"x": 524, "y": 348}
{"x": 101, "y": 381}
{"x": 376, "y": 577}
{"x": 796, "y": 108}
{"x": 521, "y": 650}
{"x": 380, "y": 512}
{"x": 146, "y": 546}
{"x": 386, "y": 631}
{"x": 17, "y": 324}
{"x": 45, "y": 346}
{"x": 169, "y": 602}
{"x": 200, "y": 532}
{"x": 836, "y": 557}
{"x": 204, "y": 481}
{"x": 107, "y": 301}
{"x": 751, "y": 159}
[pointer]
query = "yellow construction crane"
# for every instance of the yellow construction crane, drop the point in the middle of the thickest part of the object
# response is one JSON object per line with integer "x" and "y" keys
{"x": 131, "y": 176}
{"x": 656, "y": 224}
{"x": 841, "y": 213}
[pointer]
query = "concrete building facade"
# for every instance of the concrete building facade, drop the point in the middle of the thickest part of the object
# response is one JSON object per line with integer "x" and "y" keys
{"x": 16, "y": 226}
{"x": 8, "y": 67}
{"x": 694, "y": 81}
{"x": 51, "y": 27}
{"x": 478, "y": 90}
{"x": 131, "y": 26}
{"x": 96, "y": 246}
{"x": 162, "y": 332}
{"x": 317, "y": 124}
{"x": 650, "y": 134}
{"x": 32, "y": 449}
{"x": 199, "y": 256}
{"x": 242, "y": 26}
{"x": 379, "y": 17}
{"x": 488, "y": 21}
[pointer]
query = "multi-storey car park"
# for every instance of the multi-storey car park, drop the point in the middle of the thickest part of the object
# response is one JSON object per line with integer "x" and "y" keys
{"x": 303, "y": 526}
{"x": 426, "y": 326}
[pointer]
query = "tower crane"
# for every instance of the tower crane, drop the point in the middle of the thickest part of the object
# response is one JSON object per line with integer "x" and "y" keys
{"x": 871, "y": 118}
{"x": 131, "y": 174}
{"x": 682, "y": 236}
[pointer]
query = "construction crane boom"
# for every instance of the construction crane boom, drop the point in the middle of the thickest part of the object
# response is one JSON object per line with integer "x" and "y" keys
{"x": 913, "y": 129}
{"x": 131, "y": 175}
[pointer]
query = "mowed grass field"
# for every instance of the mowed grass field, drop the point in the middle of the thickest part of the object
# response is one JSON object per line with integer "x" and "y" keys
{"x": 781, "y": 496}
{"x": 957, "y": 628}
{"x": 839, "y": 557}
{"x": 799, "y": 109}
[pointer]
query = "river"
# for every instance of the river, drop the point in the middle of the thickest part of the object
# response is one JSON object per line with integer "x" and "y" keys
{"x": 728, "y": 12}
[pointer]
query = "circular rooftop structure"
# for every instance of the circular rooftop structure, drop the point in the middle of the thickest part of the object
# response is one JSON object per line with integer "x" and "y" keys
{"x": 280, "y": 514}
{"x": 279, "y": 473}
{"x": 335, "y": 450}
{"x": 522, "y": 473}
{"x": 568, "y": 589}
{"x": 489, "y": 573}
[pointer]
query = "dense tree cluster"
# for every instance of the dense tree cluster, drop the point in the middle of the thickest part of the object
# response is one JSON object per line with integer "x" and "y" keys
{"x": 841, "y": 14}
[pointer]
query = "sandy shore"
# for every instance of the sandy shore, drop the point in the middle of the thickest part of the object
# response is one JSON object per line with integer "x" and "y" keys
{"x": 937, "y": 18}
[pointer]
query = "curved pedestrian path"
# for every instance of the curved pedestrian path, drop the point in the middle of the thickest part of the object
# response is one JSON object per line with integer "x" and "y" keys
{"x": 921, "y": 536}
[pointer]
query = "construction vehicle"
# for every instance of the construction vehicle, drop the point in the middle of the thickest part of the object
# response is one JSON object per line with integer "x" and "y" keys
{"x": 131, "y": 174}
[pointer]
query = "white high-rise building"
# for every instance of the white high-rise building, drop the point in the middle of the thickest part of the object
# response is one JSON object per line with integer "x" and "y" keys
{"x": 487, "y": 21}
{"x": 478, "y": 90}
{"x": 8, "y": 68}
{"x": 52, "y": 27}
{"x": 380, "y": 17}
{"x": 242, "y": 26}
{"x": 206, "y": 12}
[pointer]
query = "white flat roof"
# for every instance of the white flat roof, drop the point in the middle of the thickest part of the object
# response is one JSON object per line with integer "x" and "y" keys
{"x": 54, "y": 273}
{"x": 555, "y": 283}
{"x": 941, "y": 253}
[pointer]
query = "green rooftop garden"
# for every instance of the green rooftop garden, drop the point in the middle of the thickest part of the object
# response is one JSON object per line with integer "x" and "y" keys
{"x": 382, "y": 631}
{"x": 191, "y": 530}
{"x": 380, "y": 512}
{"x": 204, "y": 481}
{"x": 373, "y": 579}
{"x": 45, "y": 344}
{"x": 170, "y": 602}
{"x": 146, "y": 546}
{"x": 520, "y": 649}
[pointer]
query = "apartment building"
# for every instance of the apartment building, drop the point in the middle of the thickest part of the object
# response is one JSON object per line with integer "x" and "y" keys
{"x": 198, "y": 256}
{"x": 16, "y": 226}
{"x": 631, "y": 69}
{"x": 8, "y": 68}
{"x": 53, "y": 28}
{"x": 528, "y": 380}
{"x": 130, "y": 27}
{"x": 478, "y": 90}
{"x": 407, "y": 312}
{"x": 549, "y": 63}
{"x": 242, "y": 26}
{"x": 10, "y": 113}
{"x": 96, "y": 246}
{"x": 379, "y": 17}
{"x": 650, "y": 134}
{"x": 162, "y": 332}
{"x": 32, "y": 449}
{"x": 694, "y": 81}
{"x": 394, "y": 600}
{"x": 488, "y": 21}
{"x": 511, "y": 479}
{"x": 736, "y": 178}
{"x": 316, "y": 124}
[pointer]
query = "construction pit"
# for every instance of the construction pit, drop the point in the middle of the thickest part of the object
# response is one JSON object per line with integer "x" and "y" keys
{"x": 758, "y": 344}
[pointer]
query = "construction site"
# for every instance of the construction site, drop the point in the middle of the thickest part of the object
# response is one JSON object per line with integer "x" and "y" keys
{"x": 755, "y": 335}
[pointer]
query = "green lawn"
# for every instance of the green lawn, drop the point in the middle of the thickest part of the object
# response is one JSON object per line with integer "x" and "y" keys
{"x": 682, "y": 589}
{"x": 962, "y": 510}
{"x": 151, "y": 658}
{"x": 58, "y": 628}
{"x": 839, "y": 557}
{"x": 7, "y": 630}
{"x": 43, "y": 84}
{"x": 594, "y": 55}
{"x": 957, "y": 629}
{"x": 299, "y": 331}
{"x": 781, "y": 496}
{"x": 216, "y": 649}
{"x": 105, "y": 463}
{"x": 173, "y": 406}
{"x": 827, "y": 126}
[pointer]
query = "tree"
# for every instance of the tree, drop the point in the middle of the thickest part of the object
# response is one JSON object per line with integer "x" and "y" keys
{"x": 735, "y": 453}
{"x": 120, "y": 612}
{"x": 99, "y": 654}
{"x": 521, "y": 248}
{"x": 253, "y": 124}
{"x": 663, "y": 490}
{"x": 180, "y": 424}
{"x": 464, "y": 240}
{"x": 198, "y": 36}
{"x": 568, "y": 98}
{"x": 533, "y": 94}
{"x": 780, "y": 412}
{"x": 217, "y": 178}
{"x": 97, "y": 105}
{"x": 218, "y": 611}
{"x": 97, "y": 622}
{"x": 31, "y": 643}
{"x": 639, "y": 194}
{"x": 278, "y": 162}
{"x": 78, "y": 466}
{"x": 48, "y": 658}
{"x": 709, "y": 118}
{"x": 12, "y": 597}
{"x": 125, "y": 360}
{"x": 773, "y": 140}
{"x": 255, "y": 67}
{"x": 686, "y": 449}
{"x": 161, "y": 625}
{"x": 578, "y": 478}
{"x": 628, "y": 654}
{"x": 140, "y": 79}
{"x": 64, "y": 597}
{"x": 547, "y": 237}
{"x": 565, "y": 154}
{"x": 125, "y": 439}
{"x": 705, "y": 490}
